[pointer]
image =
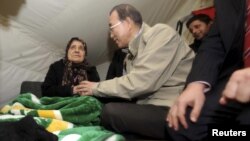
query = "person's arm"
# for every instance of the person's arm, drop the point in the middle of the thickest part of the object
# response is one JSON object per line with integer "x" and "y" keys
{"x": 151, "y": 68}
{"x": 205, "y": 68}
{"x": 238, "y": 87}
{"x": 52, "y": 84}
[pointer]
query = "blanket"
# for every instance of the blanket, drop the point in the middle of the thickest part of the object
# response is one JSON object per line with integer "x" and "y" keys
{"x": 75, "y": 118}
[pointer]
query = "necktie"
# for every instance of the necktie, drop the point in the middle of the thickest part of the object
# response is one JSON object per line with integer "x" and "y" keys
{"x": 247, "y": 37}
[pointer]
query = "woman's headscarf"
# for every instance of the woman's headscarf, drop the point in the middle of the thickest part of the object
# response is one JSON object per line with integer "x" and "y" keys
{"x": 74, "y": 73}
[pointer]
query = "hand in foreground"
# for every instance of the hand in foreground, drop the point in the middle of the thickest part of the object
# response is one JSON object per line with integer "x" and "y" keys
{"x": 192, "y": 96}
{"x": 238, "y": 87}
{"x": 87, "y": 87}
{"x": 78, "y": 89}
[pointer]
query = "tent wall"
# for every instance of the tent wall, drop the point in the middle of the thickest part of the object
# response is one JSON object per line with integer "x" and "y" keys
{"x": 34, "y": 33}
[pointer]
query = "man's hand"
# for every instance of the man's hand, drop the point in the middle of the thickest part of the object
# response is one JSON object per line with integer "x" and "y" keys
{"x": 238, "y": 87}
{"x": 192, "y": 96}
{"x": 78, "y": 89}
{"x": 87, "y": 87}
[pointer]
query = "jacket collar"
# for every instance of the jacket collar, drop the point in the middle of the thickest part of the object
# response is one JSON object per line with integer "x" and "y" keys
{"x": 134, "y": 44}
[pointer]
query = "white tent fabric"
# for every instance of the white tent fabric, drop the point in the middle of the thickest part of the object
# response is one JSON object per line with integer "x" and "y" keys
{"x": 34, "y": 33}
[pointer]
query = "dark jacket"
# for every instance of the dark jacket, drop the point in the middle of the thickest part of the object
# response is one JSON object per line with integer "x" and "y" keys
{"x": 52, "y": 85}
{"x": 25, "y": 130}
{"x": 116, "y": 66}
{"x": 195, "y": 45}
{"x": 220, "y": 53}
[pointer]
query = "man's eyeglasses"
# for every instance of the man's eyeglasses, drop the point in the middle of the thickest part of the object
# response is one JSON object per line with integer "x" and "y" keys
{"x": 113, "y": 26}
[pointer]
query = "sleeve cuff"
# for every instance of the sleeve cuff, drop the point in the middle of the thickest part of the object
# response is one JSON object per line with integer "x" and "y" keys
{"x": 208, "y": 86}
{"x": 94, "y": 89}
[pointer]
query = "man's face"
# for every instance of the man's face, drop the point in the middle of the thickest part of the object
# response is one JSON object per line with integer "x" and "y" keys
{"x": 199, "y": 29}
{"x": 118, "y": 30}
{"x": 76, "y": 52}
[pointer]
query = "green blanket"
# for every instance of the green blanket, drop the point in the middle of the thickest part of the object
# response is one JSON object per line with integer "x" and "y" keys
{"x": 76, "y": 118}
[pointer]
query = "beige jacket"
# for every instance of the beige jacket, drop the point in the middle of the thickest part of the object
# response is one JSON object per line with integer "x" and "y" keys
{"x": 157, "y": 67}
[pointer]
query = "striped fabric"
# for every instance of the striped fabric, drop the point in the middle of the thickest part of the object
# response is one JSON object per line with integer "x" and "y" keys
{"x": 247, "y": 37}
{"x": 82, "y": 110}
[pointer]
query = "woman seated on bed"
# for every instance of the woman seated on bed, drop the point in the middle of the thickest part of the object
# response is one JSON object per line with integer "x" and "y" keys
{"x": 64, "y": 76}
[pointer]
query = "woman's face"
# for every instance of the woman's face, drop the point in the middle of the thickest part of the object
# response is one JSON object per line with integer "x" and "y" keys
{"x": 76, "y": 52}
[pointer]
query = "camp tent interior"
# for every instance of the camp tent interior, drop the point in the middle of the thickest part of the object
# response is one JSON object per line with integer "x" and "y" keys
{"x": 34, "y": 33}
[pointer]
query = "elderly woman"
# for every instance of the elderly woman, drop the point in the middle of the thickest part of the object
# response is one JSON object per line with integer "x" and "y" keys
{"x": 64, "y": 76}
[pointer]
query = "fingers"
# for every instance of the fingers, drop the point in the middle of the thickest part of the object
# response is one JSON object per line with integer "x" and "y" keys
{"x": 231, "y": 88}
{"x": 172, "y": 118}
{"x": 79, "y": 88}
{"x": 192, "y": 96}
{"x": 195, "y": 113}
{"x": 243, "y": 92}
{"x": 76, "y": 89}
{"x": 168, "y": 118}
{"x": 82, "y": 90}
{"x": 86, "y": 91}
{"x": 177, "y": 114}
{"x": 223, "y": 100}
{"x": 181, "y": 114}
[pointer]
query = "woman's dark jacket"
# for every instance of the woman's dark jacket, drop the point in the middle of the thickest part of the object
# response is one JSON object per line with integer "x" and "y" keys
{"x": 52, "y": 85}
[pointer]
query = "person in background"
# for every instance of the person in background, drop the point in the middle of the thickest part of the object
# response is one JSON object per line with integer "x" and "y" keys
{"x": 64, "y": 76}
{"x": 221, "y": 54}
{"x": 157, "y": 65}
{"x": 116, "y": 67}
{"x": 198, "y": 25}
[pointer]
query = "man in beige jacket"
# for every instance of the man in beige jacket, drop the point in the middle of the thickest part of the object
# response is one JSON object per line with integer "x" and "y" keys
{"x": 157, "y": 65}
